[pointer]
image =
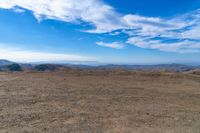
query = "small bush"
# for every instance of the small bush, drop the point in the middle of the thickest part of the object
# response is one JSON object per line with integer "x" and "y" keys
{"x": 45, "y": 67}
{"x": 14, "y": 67}
{"x": 196, "y": 72}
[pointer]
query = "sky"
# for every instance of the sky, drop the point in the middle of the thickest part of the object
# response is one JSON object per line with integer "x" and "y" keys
{"x": 105, "y": 31}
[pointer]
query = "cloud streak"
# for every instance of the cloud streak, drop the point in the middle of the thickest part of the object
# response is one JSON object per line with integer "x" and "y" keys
{"x": 143, "y": 31}
{"x": 95, "y": 12}
{"x": 178, "y": 46}
{"x": 20, "y": 55}
{"x": 115, "y": 45}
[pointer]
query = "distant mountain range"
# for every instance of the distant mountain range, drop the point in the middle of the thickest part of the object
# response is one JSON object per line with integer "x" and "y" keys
{"x": 5, "y": 62}
{"x": 5, "y": 65}
{"x": 167, "y": 67}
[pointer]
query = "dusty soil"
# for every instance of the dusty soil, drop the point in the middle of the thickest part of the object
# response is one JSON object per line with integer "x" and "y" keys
{"x": 99, "y": 102}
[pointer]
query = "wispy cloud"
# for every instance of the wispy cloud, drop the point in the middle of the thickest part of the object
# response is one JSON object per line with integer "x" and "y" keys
{"x": 97, "y": 13}
{"x": 177, "y": 46}
{"x": 143, "y": 31}
{"x": 18, "y": 10}
{"x": 21, "y": 55}
{"x": 7, "y": 4}
{"x": 115, "y": 45}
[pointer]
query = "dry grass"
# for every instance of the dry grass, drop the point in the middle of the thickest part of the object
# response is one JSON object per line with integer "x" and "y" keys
{"x": 99, "y": 102}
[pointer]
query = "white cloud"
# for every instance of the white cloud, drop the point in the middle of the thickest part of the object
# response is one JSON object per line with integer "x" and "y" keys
{"x": 104, "y": 19}
{"x": 179, "y": 34}
{"x": 142, "y": 42}
{"x": 7, "y": 4}
{"x": 30, "y": 56}
{"x": 192, "y": 33}
{"x": 100, "y": 15}
{"x": 19, "y": 10}
{"x": 185, "y": 46}
{"x": 115, "y": 45}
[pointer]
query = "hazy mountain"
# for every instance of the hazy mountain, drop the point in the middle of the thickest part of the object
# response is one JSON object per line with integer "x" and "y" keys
{"x": 5, "y": 62}
{"x": 94, "y": 65}
{"x": 168, "y": 67}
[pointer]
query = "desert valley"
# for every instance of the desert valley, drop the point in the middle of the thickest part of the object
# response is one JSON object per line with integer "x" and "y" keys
{"x": 75, "y": 100}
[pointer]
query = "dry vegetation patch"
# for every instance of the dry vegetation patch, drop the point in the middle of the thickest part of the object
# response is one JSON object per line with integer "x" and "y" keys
{"x": 100, "y": 101}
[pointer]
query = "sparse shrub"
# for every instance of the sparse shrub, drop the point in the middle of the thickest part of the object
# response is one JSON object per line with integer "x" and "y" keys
{"x": 14, "y": 67}
{"x": 196, "y": 72}
{"x": 45, "y": 67}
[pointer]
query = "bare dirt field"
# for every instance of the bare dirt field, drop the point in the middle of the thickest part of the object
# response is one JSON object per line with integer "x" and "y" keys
{"x": 99, "y": 102}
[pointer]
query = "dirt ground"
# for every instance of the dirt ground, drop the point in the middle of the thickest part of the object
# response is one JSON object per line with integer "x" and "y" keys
{"x": 99, "y": 102}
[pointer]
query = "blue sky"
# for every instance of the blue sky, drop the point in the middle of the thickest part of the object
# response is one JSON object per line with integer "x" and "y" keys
{"x": 109, "y": 31}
